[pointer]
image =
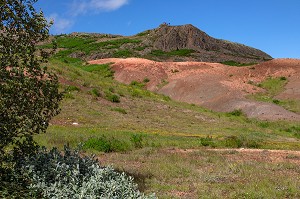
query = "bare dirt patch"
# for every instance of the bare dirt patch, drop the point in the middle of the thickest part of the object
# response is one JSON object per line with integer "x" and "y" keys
{"x": 212, "y": 85}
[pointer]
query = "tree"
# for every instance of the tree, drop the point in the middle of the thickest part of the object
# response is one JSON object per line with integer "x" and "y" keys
{"x": 29, "y": 95}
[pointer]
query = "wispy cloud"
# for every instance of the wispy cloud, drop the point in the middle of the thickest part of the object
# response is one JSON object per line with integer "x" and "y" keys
{"x": 61, "y": 25}
{"x": 84, "y": 6}
{"x": 63, "y": 22}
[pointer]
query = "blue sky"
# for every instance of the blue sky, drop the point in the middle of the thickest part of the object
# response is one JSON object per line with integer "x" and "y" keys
{"x": 269, "y": 25}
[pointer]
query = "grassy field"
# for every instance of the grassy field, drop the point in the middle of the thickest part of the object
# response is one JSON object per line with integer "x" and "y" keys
{"x": 165, "y": 144}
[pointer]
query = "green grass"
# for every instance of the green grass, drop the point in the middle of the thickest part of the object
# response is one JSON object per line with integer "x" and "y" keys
{"x": 181, "y": 52}
{"x": 273, "y": 86}
{"x": 106, "y": 144}
{"x": 234, "y": 63}
{"x": 164, "y": 143}
{"x": 143, "y": 33}
{"x": 72, "y": 42}
{"x": 208, "y": 174}
{"x": 120, "y": 110}
{"x": 138, "y": 84}
{"x": 123, "y": 53}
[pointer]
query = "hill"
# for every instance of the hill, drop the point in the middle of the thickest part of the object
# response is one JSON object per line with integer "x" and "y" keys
{"x": 165, "y": 43}
{"x": 174, "y": 148}
{"x": 220, "y": 87}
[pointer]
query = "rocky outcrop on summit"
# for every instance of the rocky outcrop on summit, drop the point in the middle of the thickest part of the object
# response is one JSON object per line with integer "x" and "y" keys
{"x": 170, "y": 38}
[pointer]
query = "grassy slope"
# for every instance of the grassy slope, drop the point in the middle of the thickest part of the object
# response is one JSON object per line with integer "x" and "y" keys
{"x": 273, "y": 86}
{"x": 143, "y": 126}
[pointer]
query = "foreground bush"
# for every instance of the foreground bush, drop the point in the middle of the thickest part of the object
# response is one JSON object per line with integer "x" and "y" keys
{"x": 52, "y": 174}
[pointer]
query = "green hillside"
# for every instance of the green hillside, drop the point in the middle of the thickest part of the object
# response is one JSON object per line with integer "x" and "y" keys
{"x": 162, "y": 143}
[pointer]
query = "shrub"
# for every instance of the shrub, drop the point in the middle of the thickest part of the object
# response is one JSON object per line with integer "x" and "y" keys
{"x": 276, "y": 101}
{"x": 237, "y": 112}
{"x": 138, "y": 84}
{"x": 137, "y": 140}
{"x": 68, "y": 175}
{"x": 283, "y": 78}
{"x": 95, "y": 92}
{"x": 241, "y": 141}
{"x": 233, "y": 142}
{"x": 105, "y": 144}
{"x": 146, "y": 80}
{"x": 207, "y": 141}
{"x": 113, "y": 98}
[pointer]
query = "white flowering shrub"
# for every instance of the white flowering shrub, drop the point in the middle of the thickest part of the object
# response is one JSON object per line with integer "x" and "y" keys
{"x": 67, "y": 175}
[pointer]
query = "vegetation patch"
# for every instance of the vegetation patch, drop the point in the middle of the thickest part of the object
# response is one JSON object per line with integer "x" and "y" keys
{"x": 180, "y": 52}
{"x": 112, "y": 97}
{"x": 106, "y": 144}
{"x": 143, "y": 33}
{"x": 120, "y": 110}
{"x": 137, "y": 140}
{"x": 95, "y": 92}
{"x": 237, "y": 112}
{"x": 234, "y": 63}
{"x": 137, "y": 84}
{"x": 69, "y": 175}
{"x": 123, "y": 53}
{"x": 207, "y": 141}
{"x": 273, "y": 86}
{"x": 295, "y": 130}
{"x": 102, "y": 69}
{"x": 72, "y": 42}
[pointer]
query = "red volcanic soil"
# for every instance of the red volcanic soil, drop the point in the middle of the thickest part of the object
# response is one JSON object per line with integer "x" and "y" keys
{"x": 212, "y": 85}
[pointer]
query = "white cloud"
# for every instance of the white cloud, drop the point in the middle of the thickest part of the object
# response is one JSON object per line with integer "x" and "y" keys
{"x": 61, "y": 25}
{"x": 84, "y": 6}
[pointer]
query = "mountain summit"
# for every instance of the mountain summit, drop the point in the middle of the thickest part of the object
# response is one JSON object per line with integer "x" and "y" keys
{"x": 206, "y": 48}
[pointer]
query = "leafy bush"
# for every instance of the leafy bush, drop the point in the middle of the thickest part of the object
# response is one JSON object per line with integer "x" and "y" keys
{"x": 105, "y": 144}
{"x": 68, "y": 175}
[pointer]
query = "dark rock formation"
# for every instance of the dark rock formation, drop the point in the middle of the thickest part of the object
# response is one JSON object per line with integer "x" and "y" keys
{"x": 170, "y": 38}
